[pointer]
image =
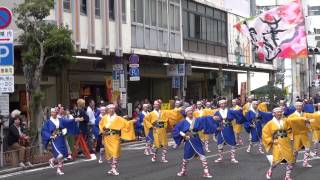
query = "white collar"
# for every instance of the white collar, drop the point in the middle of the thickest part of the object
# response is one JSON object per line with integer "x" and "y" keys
{"x": 55, "y": 121}
{"x": 300, "y": 114}
{"x": 223, "y": 112}
{"x": 189, "y": 120}
{"x": 111, "y": 119}
{"x": 145, "y": 112}
{"x": 279, "y": 123}
{"x": 157, "y": 112}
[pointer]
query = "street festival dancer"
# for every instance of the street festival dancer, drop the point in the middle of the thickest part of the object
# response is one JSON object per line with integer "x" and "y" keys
{"x": 97, "y": 134}
{"x": 187, "y": 131}
{"x": 148, "y": 133}
{"x": 253, "y": 125}
{"x": 112, "y": 128}
{"x": 276, "y": 137}
{"x": 224, "y": 130}
{"x": 157, "y": 121}
{"x": 315, "y": 128}
{"x": 237, "y": 127}
{"x": 300, "y": 130}
{"x": 53, "y": 131}
{"x": 200, "y": 112}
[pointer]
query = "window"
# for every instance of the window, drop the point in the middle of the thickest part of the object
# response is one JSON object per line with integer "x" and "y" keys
{"x": 197, "y": 27}
{"x": 314, "y": 10}
{"x": 171, "y": 15}
{"x": 97, "y": 8}
{"x": 203, "y": 28}
{"x": 185, "y": 24}
{"x": 159, "y": 13}
{"x": 192, "y": 33}
{"x": 147, "y": 12}
{"x": 139, "y": 11}
{"x": 83, "y": 7}
{"x": 66, "y": 5}
{"x": 133, "y": 11}
{"x": 164, "y": 15}
{"x": 123, "y": 7}
{"x": 111, "y": 10}
{"x": 177, "y": 18}
{"x": 153, "y": 12}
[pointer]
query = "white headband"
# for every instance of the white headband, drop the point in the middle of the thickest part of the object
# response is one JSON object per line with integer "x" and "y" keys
{"x": 188, "y": 109}
{"x": 53, "y": 110}
{"x": 111, "y": 106}
{"x": 278, "y": 109}
{"x": 145, "y": 105}
{"x": 222, "y": 101}
{"x": 255, "y": 102}
{"x": 299, "y": 103}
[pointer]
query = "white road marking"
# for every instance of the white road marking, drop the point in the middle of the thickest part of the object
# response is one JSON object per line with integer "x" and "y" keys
{"x": 42, "y": 168}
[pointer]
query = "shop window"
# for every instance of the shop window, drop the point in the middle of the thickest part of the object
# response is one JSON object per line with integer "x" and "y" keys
{"x": 123, "y": 7}
{"x": 83, "y": 7}
{"x": 66, "y": 5}
{"x": 97, "y": 8}
{"x": 111, "y": 10}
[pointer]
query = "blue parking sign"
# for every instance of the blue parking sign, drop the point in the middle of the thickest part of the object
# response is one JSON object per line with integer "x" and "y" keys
{"x": 6, "y": 54}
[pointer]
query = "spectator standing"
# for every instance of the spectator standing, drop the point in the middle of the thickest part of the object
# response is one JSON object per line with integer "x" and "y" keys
{"x": 92, "y": 118}
{"x": 14, "y": 137}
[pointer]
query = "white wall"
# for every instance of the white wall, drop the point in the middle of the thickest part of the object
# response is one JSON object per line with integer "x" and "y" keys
{"x": 258, "y": 79}
{"x": 238, "y": 7}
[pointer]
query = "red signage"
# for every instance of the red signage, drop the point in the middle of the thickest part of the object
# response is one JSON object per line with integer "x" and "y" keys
{"x": 5, "y": 17}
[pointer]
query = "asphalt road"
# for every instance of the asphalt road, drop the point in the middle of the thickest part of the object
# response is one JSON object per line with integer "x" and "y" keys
{"x": 134, "y": 165}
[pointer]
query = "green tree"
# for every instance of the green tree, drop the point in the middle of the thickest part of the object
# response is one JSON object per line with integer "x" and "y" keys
{"x": 43, "y": 42}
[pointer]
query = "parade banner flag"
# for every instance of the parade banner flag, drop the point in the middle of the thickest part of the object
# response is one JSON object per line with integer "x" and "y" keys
{"x": 277, "y": 33}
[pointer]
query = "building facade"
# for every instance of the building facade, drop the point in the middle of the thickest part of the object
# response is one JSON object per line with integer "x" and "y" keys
{"x": 164, "y": 34}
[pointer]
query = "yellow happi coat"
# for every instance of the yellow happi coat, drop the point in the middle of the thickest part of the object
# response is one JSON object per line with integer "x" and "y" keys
{"x": 175, "y": 116}
{"x": 300, "y": 131}
{"x": 315, "y": 125}
{"x": 237, "y": 128}
{"x": 263, "y": 107}
{"x": 201, "y": 113}
{"x": 246, "y": 108}
{"x": 112, "y": 142}
{"x": 159, "y": 134}
{"x": 281, "y": 147}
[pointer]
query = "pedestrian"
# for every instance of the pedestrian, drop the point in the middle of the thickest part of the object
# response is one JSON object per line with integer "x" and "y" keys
{"x": 53, "y": 132}
{"x": 187, "y": 131}
{"x": 91, "y": 109}
{"x": 16, "y": 137}
{"x": 276, "y": 137}
{"x": 112, "y": 128}
{"x": 315, "y": 129}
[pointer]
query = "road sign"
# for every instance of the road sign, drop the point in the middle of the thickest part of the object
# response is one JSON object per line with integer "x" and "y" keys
{"x": 134, "y": 74}
{"x": 134, "y": 59}
{"x": 6, "y": 36}
{"x": 7, "y": 84}
{"x": 6, "y": 54}
{"x": 6, "y": 70}
{"x": 5, "y": 17}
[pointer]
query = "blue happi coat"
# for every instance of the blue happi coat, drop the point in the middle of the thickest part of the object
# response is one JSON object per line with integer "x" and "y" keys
{"x": 308, "y": 108}
{"x": 257, "y": 118}
{"x": 59, "y": 143}
{"x": 224, "y": 130}
{"x": 193, "y": 146}
{"x": 139, "y": 124}
{"x": 287, "y": 111}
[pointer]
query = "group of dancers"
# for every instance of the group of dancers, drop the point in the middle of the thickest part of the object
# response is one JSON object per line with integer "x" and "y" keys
{"x": 284, "y": 132}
